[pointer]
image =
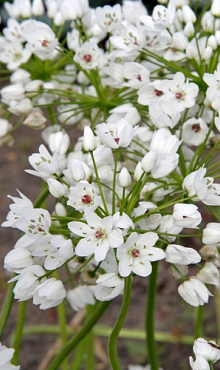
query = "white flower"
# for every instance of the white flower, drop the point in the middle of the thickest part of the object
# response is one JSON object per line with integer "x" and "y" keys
{"x": 5, "y": 127}
{"x": 13, "y": 92}
{"x": 167, "y": 227}
{"x": 209, "y": 274}
{"x": 35, "y": 222}
{"x": 27, "y": 282}
{"x": 208, "y": 350}
{"x": 89, "y": 140}
{"x": 37, "y": 8}
{"x": 16, "y": 209}
{"x": 136, "y": 74}
{"x": 6, "y": 355}
{"x": 211, "y": 233}
{"x": 17, "y": 259}
{"x": 77, "y": 170}
{"x": 116, "y": 135}
{"x": 59, "y": 142}
{"x": 83, "y": 195}
{"x": 49, "y": 294}
{"x": 56, "y": 188}
{"x": 41, "y": 40}
{"x": 109, "y": 286}
{"x": 199, "y": 363}
{"x": 98, "y": 235}
{"x": 164, "y": 113}
{"x": 127, "y": 111}
{"x": 149, "y": 221}
{"x": 137, "y": 254}
{"x": 194, "y": 131}
{"x": 180, "y": 255}
{"x": 194, "y": 292}
{"x": 109, "y": 17}
{"x": 80, "y": 296}
{"x": 13, "y": 54}
{"x": 44, "y": 164}
{"x": 72, "y": 10}
{"x": 186, "y": 215}
{"x": 124, "y": 178}
{"x": 215, "y": 8}
{"x": 88, "y": 56}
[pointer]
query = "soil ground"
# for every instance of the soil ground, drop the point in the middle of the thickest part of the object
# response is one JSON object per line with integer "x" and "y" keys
{"x": 173, "y": 315}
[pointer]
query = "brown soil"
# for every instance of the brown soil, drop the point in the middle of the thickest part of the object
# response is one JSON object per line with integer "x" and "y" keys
{"x": 173, "y": 315}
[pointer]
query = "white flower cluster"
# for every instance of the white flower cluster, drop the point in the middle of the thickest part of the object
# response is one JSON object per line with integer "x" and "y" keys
{"x": 205, "y": 353}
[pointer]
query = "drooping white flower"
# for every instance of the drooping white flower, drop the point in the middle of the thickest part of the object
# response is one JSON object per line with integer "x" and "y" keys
{"x": 17, "y": 259}
{"x": 148, "y": 221}
{"x": 167, "y": 227}
{"x": 180, "y": 255}
{"x": 72, "y": 10}
{"x": 27, "y": 281}
{"x": 194, "y": 292}
{"x": 137, "y": 253}
{"x": 126, "y": 111}
{"x": 208, "y": 350}
{"x": 199, "y": 363}
{"x": 80, "y": 296}
{"x": 186, "y": 215}
{"x": 6, "y": 355}
{"x": 164, "y": 113}
{"x": 12, "y": 92}
{"x": 211, "y": 233}
{"x": 98, "y": 235}
{"x": 49, "y": 294}
{"x": 209, "y": 274}
{"x": 109, "y": 286}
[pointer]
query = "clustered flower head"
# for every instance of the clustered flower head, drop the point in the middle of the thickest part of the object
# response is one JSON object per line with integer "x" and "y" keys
{"x": 145, "y": 90}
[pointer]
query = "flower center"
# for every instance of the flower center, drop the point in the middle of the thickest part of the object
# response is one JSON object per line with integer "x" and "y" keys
{"x": 99, "y": 234}
{"x": 44, "y": 43}
{"x": 117, "y": 140}
{"x": 179, "y": 95}
{"x": 139, "y": 77}
{"x": 86, "y": 199}
{"x": 87, "y": 58}
{"x": 135, "y": 253}
{"x": 158, "y": 92}
{"x": 196, "y": 128}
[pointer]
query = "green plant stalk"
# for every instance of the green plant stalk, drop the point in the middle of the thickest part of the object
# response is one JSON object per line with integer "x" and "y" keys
{"x": 7, "y": 305}
{"x": 149, "y": 319}
{"x": 72, "y": 343}
{"x": 79, "y": 355}
{"x": 90, "y": 360}
{"x": 113, "y": 339}
{"x": 217, "y": 310}
{"x": 99, "y": 184}
{"x": 114, "y": 182}
{"x": 198, "y": 331}
{"x": 19, "y": 331}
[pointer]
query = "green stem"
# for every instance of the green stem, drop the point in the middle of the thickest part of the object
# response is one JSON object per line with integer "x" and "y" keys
{"x": 99, "y": 184}
{"x": 41, "y": 197}
{"x": 72, "y": 343}
{"x": 198, "y": 332}
{"x": 90, "y": 361}
{"x": 217, "y": 310}
{"x": 114, "y": 182}
{"x": 7, "y": 305}
{"x": 150, "y": 309}
{"x": 113, "y": 339}
{"x": 19, "y": 331}
{"x": 79, "y": 355}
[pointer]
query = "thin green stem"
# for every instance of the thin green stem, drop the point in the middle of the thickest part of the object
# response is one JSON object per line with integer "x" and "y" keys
{"x": 72, "y": 343}
{"x": 99, "y": 184}
{"x": 7, "y": 305}
{"x": 19, "y": 332}
{"x": 79, "y": 355}
{"x": 150, "y": 309}
{"x": 114, "y": 182}
{"x": 90, "y": 361}
{"x": 198, "y": 331}
{"x": 217, "y": 310}
{"x": 113, "y": 339}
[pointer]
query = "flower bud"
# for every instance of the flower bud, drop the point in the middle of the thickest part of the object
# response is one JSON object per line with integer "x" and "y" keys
{"x": 58, "y": 19}
{"x": 215, "y": 8}
{"x": 188, "y": 14}
{"x": 5, "y": 127}
{"x": 17, "y": 259}
{"x": 59, "y": 142}
{"x": 148, "y": 162}
{"x": 60, "y": 210}
{"x": 138, "y": 172}
{"x": 37, "y": 8}
{"x": 13, "y": 92}
{"x": 189, "y": 30}
{"x": 217, "y": 36}
{"x": 212, "y": 42}
{"x": 124, "y": 178}
{"x": 56, "y": 188}
{"x": 89, "y": 140}
{"x": 207, "y": 53}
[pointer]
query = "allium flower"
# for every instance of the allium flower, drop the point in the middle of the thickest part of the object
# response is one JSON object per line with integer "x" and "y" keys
{"x": 44, "y": 164}
{"x": 194, "y": 131}
{"x": 180, "y": 255}
{"x": 186, "y": 215}
{"x": 116, "y": 135}
{"x": 80, "y": 296}
{"x": 199, "y": 363}
{"x": 16, "y": 209}
{"x": 84, "y": 195}
{"x": 137, "y": 254}
{"x": 109, "y": 286}
{"x": 41, "y": 40}
{"x": 208, "y": 350}
{"x": 136, "y": 74}
{"x": 72, "y": 10}
{"x": 109, "y": 17}
{"x": 164, "y": 113}
{"x": 127, "y": 111}
{"x": 194, "y": 292}
{"x": 88, "y": 56}
{"x": 211, "y": 233}
{"x": 209, "y": 274}
{"x": 35, "y": 222}
{"x": 49, "y": 294}
{"x": 98, "y": 235}
{"x": 13, "y": 54}
{"x": 18, "y": 259}
{"x": 6, "y": 355}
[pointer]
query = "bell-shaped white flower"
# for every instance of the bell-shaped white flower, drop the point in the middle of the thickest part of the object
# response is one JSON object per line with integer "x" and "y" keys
{"x": 194, "y": 292}
{"x": 72, "y": 10}
{"x": 180, "y": 255}
{"x": 211, "y": 233}
{"x": 109, "y": 286}
{"x": 186, "y": 215}
{"x": 116, "y": 135}
{"x": 200, "y": 363}
{"x": 209, "y": 274}
{"x": 49, "y": 294}
{"x": 83, "y": 195}
{"x": 215, "y": 8}
{"x": 208, "y": 350}
{"x": 80, "y": 296}
{"x": 124, "y": 178}
{"x": 17, "y": 259}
